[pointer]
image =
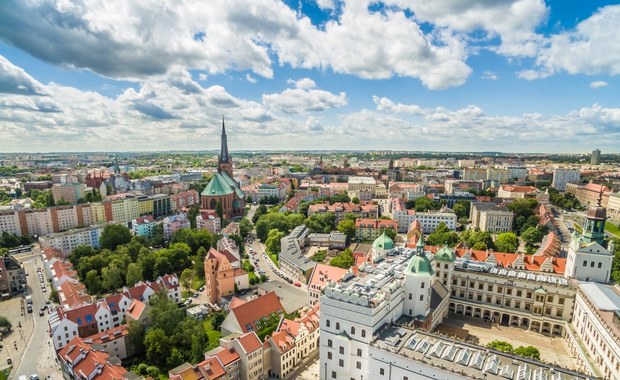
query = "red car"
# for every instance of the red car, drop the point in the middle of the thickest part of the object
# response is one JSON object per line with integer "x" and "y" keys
{"x": 297, "y": 284}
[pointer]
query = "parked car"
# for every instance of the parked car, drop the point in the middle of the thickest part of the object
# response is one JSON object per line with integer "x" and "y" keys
{"x": 43, "y": 307}
{"x": 297, "y": 284}
{"x": 34, "y": 376}
{"x": 188, "y": 302}
{"x": 202, "y": 288}
{"x": 41, "y": 313}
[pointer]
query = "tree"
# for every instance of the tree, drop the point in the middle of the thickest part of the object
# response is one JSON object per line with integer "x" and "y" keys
{"x": 186, "y": 278}
{"x": 461, "y": 209}
{"x": 343, "y": 260}
{"x": 5, "y": 324}
{"x": 134, "y": 274}
{"x": 528, "y": 352}
{"x": 478, "y": 240}
{"x": 218, "y": 319}
{"x": 157, "y": 346}
{"x": 112, "y": 277}
{"x": 114, "y": 235}
{"x": 391, "y": 233}
{"x": 507, "y": 242}
{"x": 347, "y": 227}
{"x": 135, "y": 337}
{"x": 272, "y": 244}
{"x": 245, "y": 227}
{"x": 532, "y": 236}
{"x": 355, "y": 200}
{"x": 500, "y": 345}
{"x": 219, "y": 208}
{"x": 442, "y": 235}
{"x": 93, "y": 282}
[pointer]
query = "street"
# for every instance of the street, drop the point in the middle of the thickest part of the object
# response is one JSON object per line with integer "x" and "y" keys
{"x": 34, "y": 353}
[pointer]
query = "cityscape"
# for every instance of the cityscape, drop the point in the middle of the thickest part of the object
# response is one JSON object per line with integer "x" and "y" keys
{"x": 313, "y": 190}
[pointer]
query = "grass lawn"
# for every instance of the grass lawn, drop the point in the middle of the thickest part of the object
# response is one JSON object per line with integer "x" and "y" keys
{"x": 197, "y": 282}
{"x": 214, "y": 335}
{"x": 612, "y": 229}
{"x": 274, "y": 258}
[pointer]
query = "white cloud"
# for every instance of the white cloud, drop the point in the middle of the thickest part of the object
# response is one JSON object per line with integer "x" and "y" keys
{"x": 591, "y": 48}
{"x": 387, "y": 105}
{"x": 14, "y": 80}
{"x": 303, "y": 83}
{"x": 598, "y": 84}
{"x": 297, "y": 101}
{"x": 325, "y": 4}
{"x": 489, "y": 75}
{"x": 202, "y": 77}
{"x": 250, "y": 78}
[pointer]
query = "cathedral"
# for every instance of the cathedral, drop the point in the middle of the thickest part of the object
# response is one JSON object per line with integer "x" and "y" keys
{"x": 222, "y": 187}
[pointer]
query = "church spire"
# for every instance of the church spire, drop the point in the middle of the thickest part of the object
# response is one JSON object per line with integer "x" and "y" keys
{"x": 224, "y": 156}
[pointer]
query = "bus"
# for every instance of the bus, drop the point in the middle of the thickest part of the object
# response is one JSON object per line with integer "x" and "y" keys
{"x": 21, "y": 249}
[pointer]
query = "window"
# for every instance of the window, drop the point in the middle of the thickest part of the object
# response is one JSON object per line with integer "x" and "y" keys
{"x": 327, "y": 323}
{"x": 422, "y": 286}
{"x": 363, "y": 333}
{"x": 585, "y": 263}
{"x": 329, "y": 342}
{"x": 337, "y": 325}
{"x": 341, "y": 362}
{"x": 341, "y": 350}
{"x": 333, "y": 374}
{"x": 592, "y": 264}
{"x": 329, "y": 355}
{"x": 600, "y": 265}
{"x": 410, "y": 296}
{"x": 359, "y": 351}
{"x": 352, "y": 330}
{"x": 422, "y": 297}
{"x": 358, "y": 365}
{"x": 381, "y": 371}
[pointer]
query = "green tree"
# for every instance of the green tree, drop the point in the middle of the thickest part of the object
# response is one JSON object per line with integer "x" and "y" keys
{"x": 507, "y": 242}
{"x": 5, "y": 324}
{"x": 478, "y": 240}
{"x": 500, "y": 345}
{"x": 93, "y": 282}
{"x": 272, "y": 244}
{"x": 461, "y": 209}
{"x": 218, "y": 319}
{"x": 114, "y": 235}
{"x": 343, "y": 260}
{"x": 134, "y": 274}
{"x": 528, "y": 352}
{"x": 186, "y": 278}
{"x": 135, "y": 337}
{"x": 532, "y": 236}
{"x": 219, "y": 208}
{"x": 245, "y": 227}
{"x": 157, "y": 346}
{"x": 355, "y": 200}
{"x": 112, "y": 277}
{"x": 442, "y": 235}
{"x": 347, "y": 227}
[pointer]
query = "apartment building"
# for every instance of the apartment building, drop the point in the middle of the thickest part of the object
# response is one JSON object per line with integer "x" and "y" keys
{"x": 341, "y": 209}
{"x": 563, "y": 176}
{"x": 144, "y": 226}
{"x": 589, "y": 195}
{"x": 362, "y": 188}
{"x": 429, "y": 221}
{"x": 370, "y": 229}
{"x": 12, "y": 277}
{"x": 490, "y": 217}
{"x": 209, "y": 220}
{"x": 69, "y": 192}
{"x": 66, "y": 241}
{"x": 184, "y": 199}
{"x": 174, "y": 223}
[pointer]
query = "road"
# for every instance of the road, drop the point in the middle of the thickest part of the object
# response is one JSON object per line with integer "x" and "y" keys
{"x": 38, "y": 356}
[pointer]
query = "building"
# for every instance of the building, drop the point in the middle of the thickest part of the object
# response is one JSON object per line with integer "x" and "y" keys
{"x": 253, "y": 315}
{"x": 322, "y": 275}
{"x": 595, "y": 158}
{"x": 292, "y": 260}
{"x": 563, "y": 176}
{"x": 66, "y": 241}
{"x": 184, "y": 199}
{"x": 222, "y": 275}
{"x": 144, "y": 226}
{"x": 89, "y": 361}
{"x": 37, "y": 185}
{"x": 341, "y": 209}
{"x": 590, "y": 194}
{"x": 519, "y": 192}
{"x": 491, "y": 217}
{"x": 209, "y": 220}
{"x": 362, "y": 188}
{"x": 370, "y": 229}
{"x": 41, "y": 222}
{"x": 451, "y": 199}
{"x": 174, "y": 223}
{"x": 251, "y": 355}
{"x": 12, "y": 277}
{"x": 222, "y": 188}
{"x": 595, "y": 328}
{"x": 68, "y": 192}
{"x": 613, "y": 207}
{"x": 498, "y": 175}
{"x": 120, "y": 208}
{"x": 428, "y": 220}
{"x": 474, "y": 174}
{"x": 588, "y": 259}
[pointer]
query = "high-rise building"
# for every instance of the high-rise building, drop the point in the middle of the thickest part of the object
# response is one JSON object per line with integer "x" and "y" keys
{"x": 595, "y": 159}
{"x": 563, "y": 176}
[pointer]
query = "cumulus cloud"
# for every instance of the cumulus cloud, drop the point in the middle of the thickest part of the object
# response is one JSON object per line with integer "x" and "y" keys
{"x": 250, "y": 78}
{"x": 14, "y": 80}
{"x": 300, "y": 100}
{"x": 303, "y": 83}
{"x": 591, "y": 48}
{"x": 598, "y": 84}
{"x": 489, "y": 75}
{"x": 138, "y": 40}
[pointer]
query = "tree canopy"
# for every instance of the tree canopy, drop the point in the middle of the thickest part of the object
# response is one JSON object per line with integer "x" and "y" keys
{"x": 507, "y": 242}
{"x": 114, "y": 235}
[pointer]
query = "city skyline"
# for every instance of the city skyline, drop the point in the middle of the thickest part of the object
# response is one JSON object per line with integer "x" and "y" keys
{"x": 510, "y": 76}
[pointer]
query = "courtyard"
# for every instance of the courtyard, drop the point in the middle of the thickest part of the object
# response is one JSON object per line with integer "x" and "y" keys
{"x": 552, "y": 348}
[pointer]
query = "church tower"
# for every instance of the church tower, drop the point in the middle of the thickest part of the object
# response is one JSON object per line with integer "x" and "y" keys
{"x": 224, "y": 163}
{"x": 594, "y": 225}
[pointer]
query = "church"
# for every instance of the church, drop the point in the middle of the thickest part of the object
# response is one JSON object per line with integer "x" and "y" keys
{"x": 222, "y": 187}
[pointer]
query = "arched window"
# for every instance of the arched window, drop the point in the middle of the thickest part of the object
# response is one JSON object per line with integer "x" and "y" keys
{"x": 337, "y": 325}
{"x": 363, "y": 333}
{"x": 327, "y": 323}
{"x": 352, "y": 330}
{"x": 213, "y": 204}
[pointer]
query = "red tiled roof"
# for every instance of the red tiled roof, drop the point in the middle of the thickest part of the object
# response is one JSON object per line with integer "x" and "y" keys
{"x": 283, "y": 341}
{"x": 250, "y": 342}
{"x": 211, "y": 369}
{"x": 92, "y": 361}
{"x": 106, "y": 336}
{"x": 239, "y": 272}
{"x": 227, "y": 355}
{"x": 376, "y": 223}
{"x": 323, "y": 273}
{"x": 252, "y": 311}
{"x": 135, "y": 309}
{"x": 519, "y": 189}
{"x": 73, "y": 294}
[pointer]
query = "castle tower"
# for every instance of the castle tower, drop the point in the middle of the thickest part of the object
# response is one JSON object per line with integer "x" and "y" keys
{"x": 594, "y": 225}
{"x": 444, "y": 265}
{"x": 418, "y": 283}
{"x": 224, "y": 163}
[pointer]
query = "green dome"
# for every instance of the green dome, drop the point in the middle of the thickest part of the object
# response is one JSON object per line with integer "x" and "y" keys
{"x": 445, "y": 254}
{"x": 420, "y": 265}
{"x": 383, "y": 242}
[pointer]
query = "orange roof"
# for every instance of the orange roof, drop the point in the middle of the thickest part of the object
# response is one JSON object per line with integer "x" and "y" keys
{"x": 252, "y": 311}
{"x": 63, "y": 268}
{"x": 109, "y": 335}
{"x": 95, "y": 365}
{"x": 135, "y": 309}
{"x": 73, "y": 294}
{"x": 250, "y": 342}
{"x": 531, "y": 262}
{"x": 211, "y": 369}
{"x": 322, "y": 274}
{"x": 234, "y": 302}
{"x": 227, "y": 355}
{"x": 51, "y": 253}
{"x": 376, "y": 223}
{"x": 519, "y": 189}
{"x": 283, "y": 341}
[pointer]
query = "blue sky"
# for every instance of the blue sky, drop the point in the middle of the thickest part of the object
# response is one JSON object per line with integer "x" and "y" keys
{"x": 455, "y": 75}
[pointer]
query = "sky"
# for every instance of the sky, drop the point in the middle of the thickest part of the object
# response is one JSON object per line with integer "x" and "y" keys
{"x": 417, "y": 75}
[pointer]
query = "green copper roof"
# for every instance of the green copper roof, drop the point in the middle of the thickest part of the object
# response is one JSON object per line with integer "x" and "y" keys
{"x": 445, "y": 254}
{"x": 383, "y": 242}
{"x": 217, "y": 186}
{"x": 420, "y": 265}
{"x": 421, "y": 243}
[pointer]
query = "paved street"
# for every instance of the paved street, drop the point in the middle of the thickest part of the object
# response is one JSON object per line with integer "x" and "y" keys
{"x": 34, "y": 352}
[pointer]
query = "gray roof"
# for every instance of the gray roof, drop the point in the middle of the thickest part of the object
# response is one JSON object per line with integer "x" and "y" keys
{"x": 291, "y": 298}
{"x": 604, "y": 297}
